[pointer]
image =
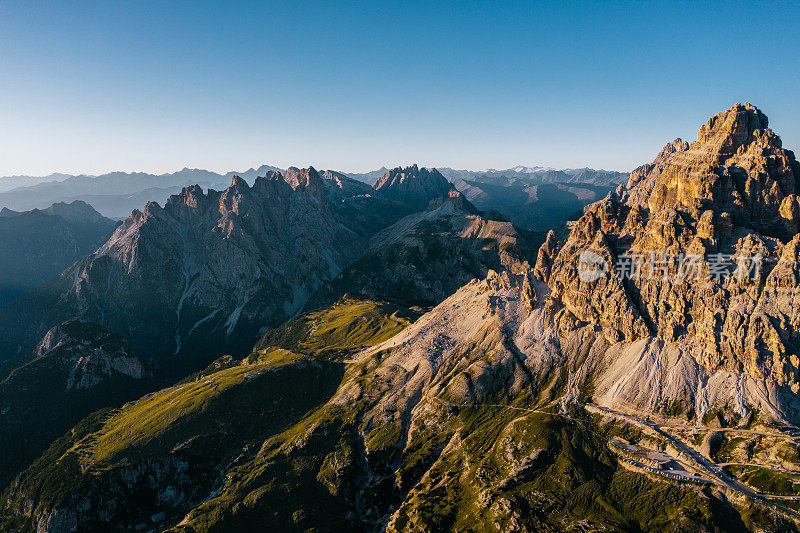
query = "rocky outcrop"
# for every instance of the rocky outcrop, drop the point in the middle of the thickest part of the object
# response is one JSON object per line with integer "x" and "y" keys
{"x": 697, "y": 251}
{"x": 413, "y": 186}
{"x": 92, "y": 353}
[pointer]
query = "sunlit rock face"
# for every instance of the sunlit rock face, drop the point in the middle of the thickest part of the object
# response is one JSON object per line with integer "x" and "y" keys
{"x": 737, "y": 165}
{"x": 731, "y": 194}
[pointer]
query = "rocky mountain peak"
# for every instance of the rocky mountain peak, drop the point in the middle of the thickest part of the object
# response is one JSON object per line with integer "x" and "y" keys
{"x": 400, "y": 175}
{"x": 271, "y": 175}
{"x": 307, "y": 178}
{"x": 151, "y": 209}
{"x": 192, "y": 197}
{"x": 236, "y": 181}
{"x": 725, "y": 132}
{"x": 736, "y": 165}
{"x": 413, "y": 186}
{"x": 728, "y": 199}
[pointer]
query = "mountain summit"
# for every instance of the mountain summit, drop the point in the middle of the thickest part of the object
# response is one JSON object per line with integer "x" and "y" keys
{"x": 736, "y": 165}
{"x": 414, "y": 186}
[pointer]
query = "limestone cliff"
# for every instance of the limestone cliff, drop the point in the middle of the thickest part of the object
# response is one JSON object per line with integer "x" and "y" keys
{"x": 730, "y": 195}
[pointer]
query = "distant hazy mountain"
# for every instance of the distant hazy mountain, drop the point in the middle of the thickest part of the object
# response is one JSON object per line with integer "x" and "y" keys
{"x": 116, "y": 194}
{"x": 539, "y": 175}
{"x": 12, "y": 182}
{"x": 37, "y": 245}
{"x": 369, "y": 177}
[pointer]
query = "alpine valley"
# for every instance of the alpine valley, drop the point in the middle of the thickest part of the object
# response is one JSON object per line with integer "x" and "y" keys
{"x": 409, "y": 350}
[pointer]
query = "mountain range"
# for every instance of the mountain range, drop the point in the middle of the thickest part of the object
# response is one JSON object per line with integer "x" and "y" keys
{"x": 117, "y": 194}
{"x": 309, "y": 352}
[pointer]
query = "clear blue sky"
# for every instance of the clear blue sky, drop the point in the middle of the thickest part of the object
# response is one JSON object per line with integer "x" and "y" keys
{"x": 92, "y": 87}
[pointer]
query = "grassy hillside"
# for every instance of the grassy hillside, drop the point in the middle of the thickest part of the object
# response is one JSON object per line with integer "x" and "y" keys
{"x": 183, "y": 439}
{"x": 349, "y": 324}
{"x": 180, "y": 439}
{"x": 296, "y": 438}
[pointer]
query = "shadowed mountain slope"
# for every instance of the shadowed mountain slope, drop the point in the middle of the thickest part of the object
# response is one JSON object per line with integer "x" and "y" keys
{"x": 37, "y": 245}
{"x": 200, "y": 275}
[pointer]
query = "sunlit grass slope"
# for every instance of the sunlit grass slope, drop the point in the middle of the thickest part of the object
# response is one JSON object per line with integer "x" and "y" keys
{"x": 349, "y": 324}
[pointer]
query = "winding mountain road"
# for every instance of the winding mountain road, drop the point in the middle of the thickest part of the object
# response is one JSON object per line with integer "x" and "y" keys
{"x": 704, "y": 464}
